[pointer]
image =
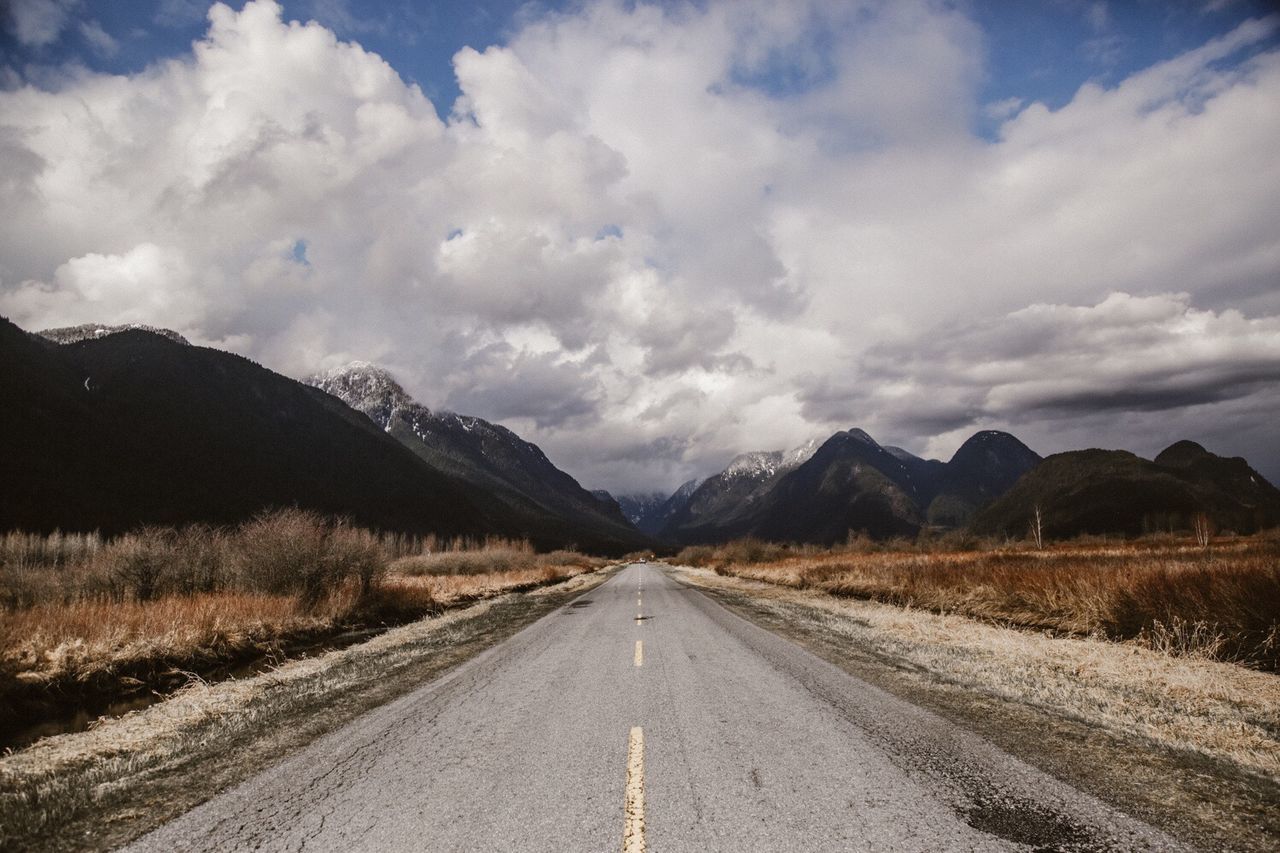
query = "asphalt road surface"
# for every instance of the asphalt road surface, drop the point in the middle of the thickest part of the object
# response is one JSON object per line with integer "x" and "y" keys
{"x": 644, "y": 716}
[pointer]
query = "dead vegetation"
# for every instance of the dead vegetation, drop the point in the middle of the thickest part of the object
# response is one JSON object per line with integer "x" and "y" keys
{"x": 82, "y": 619}
{"x": 1192, "y": 707}
{"x": 1220, "y": 602}
{"x": 100, "y": 789}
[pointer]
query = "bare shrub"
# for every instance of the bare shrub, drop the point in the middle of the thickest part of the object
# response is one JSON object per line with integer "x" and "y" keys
{"x": 20, "y": 550}
{"x": 700, "y": 556}
{"x": 488, "y": 557}
{"x": 297, "y": 552}
{"x": 139, "y": 565}
{"x": 464, "y": 562}
{"x": 202, "y": 560}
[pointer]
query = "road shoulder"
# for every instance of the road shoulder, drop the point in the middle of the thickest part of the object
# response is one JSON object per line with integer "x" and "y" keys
{"x": 102, "y": 788}
{"x": 1211, "y": 802}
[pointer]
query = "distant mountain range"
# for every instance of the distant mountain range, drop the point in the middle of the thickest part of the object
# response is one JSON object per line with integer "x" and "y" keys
{"x": 1114, "y": 491}
{"x": 113, "y": 431}
{"x": 992, "y": 485}
{"x": 849, "y": 484}
{"x": 110, "y": 427}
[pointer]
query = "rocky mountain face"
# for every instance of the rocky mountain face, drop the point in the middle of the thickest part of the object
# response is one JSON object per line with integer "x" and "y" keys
{"x": 111, "y": 431}
{"x": 547, "y": 504}
{"x": 1117, "y": 492}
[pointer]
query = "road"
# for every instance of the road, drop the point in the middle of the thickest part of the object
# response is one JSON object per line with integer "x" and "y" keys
{"x": 645, "y": 714}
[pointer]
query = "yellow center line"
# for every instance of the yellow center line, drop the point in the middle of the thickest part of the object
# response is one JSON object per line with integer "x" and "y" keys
{"x": 639, "y": 652}
{"x": 633, "y": 825}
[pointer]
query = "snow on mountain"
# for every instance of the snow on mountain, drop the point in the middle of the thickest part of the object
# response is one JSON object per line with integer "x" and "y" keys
{"x": 638, "y": 506}
{"x": 757, "y": 463}
{"x": 762, "y": 464}
{"x": 366, "y": 388}
{"x": 488, "y": 455}
{"x": 87, "y": 331}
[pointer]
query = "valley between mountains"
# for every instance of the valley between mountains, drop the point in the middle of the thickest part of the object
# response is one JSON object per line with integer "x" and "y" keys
{"x": 161, "y": 432}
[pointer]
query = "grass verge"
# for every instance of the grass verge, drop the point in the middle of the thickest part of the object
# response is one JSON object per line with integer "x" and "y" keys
{"x": 1191, "y": 745}
{"x": 1221, "y": 602}
{"x": 88, "y": 626}
{"x": 106, "y": 786}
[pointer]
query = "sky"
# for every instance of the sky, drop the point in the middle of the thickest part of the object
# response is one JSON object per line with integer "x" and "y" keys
{"x": 650, "y": 236}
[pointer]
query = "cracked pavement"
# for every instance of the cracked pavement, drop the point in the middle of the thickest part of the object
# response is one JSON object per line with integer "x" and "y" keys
{"x": 749, "y": 743}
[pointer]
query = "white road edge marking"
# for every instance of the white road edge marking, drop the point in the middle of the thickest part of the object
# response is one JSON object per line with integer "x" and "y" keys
{"x": 633, "y": 827}
{"x": 639, "y": 652}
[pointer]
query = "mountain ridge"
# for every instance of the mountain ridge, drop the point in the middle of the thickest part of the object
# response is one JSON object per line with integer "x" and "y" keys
{"x": 515, "y": 472}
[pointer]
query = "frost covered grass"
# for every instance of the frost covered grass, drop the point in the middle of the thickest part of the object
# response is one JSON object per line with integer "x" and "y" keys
{"x": 1220, "y": 603}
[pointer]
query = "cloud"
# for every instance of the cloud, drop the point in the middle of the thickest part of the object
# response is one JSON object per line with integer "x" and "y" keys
{"x": 99, "y": 39}
{"x": 518, "y": 384}
{"x": 681, "y": 231}
{"x": 1124, "y": 357}
{"x": 147, "y": 284}
{"x": 180, "y": 13}
{"x": 37, "y": 23}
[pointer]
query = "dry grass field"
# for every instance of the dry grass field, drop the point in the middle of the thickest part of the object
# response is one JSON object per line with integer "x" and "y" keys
{"x": 1220, "y": 602}
{"x": 88, "y": 621}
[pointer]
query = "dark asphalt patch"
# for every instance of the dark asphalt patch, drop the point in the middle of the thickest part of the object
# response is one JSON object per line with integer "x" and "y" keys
{"x": 1023, "y": 823}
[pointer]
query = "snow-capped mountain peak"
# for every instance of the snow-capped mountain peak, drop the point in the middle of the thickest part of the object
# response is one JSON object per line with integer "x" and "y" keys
{"x": 366, "y": 388}
{"x": 758, "y": 463}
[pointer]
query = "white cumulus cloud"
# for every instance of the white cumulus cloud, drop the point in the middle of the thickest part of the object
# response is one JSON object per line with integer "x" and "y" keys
{"x": 629, "y": 245}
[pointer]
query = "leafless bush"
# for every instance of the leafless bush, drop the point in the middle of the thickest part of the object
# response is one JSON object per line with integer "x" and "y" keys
{"x": 700, "y": 556}
{"x": 465, "y": 562}
{"x": 20, "y": 550}
{"x": 296, "y": 552}
{"x": 139, "y": 565}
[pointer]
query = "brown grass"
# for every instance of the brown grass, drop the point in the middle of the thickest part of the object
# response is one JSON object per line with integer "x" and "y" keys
{"x": 83, "y": 620}
{"x": 101, "y": 788}
{"x": 1221, "y": 602}
{"x": 1221, "y": 711}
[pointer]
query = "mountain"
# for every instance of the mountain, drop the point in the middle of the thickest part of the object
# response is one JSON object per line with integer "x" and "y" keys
{"x": 610, "y": 504}
{"x": 113, "y": 431}
{"x": 852, "y": 484}
{"x": 638, "y": 507}
{"x": 88, "y": 331}
{"x": 984, "y": 468}
{"x": 519, "y": 481}
{"x": 1114, "y": 491}
{"x": 728, "y": 500}
{"x": 652, "y": 512}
